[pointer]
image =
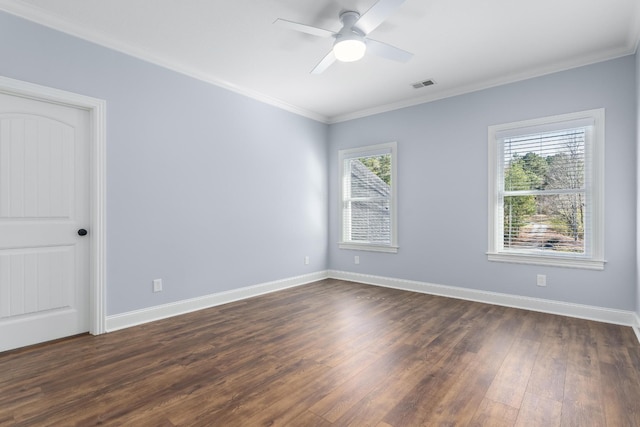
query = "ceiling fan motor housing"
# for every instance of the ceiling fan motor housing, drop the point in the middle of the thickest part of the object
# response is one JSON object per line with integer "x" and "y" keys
{"x": 349, "y": 18}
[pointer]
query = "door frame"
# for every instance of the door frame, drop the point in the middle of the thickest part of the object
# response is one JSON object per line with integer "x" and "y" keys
{"x": 97, "y": 186}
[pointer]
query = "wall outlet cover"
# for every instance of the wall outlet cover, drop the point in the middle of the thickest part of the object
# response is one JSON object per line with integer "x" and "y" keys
{"x": 541, "y": 280}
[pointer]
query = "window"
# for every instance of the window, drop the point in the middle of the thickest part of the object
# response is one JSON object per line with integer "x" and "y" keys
{"x": 368, "y": 198}
{"x": 546, "y": 191}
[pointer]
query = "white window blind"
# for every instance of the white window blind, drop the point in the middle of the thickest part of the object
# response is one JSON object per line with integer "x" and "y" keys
{"x": 544, "y": 192}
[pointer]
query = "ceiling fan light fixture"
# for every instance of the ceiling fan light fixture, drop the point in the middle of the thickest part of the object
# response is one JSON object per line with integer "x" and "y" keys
{"x": 351, "y": 42}
{"x": 349, "y": 49}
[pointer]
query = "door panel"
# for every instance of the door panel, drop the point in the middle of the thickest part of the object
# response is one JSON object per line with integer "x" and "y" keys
{"x": 37, "y": 168}
{"x": 35, "y": 279}
{"x": 44, "y": 287}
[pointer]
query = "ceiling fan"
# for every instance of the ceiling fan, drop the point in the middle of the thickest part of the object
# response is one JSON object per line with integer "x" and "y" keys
{"x": 351, "y": 42}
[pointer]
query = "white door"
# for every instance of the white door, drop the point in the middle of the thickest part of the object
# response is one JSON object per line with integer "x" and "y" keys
{"x": 44, "y": 182}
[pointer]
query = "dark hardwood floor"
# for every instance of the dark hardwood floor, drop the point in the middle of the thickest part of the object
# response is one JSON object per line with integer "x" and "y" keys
{"x": 333, "y": 353}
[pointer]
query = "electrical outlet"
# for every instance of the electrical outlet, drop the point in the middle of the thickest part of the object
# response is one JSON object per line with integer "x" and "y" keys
{"x": 356, "y": 259}
{"x": 542, "y": 280}
{"x": 306, "y": 260}
{"x": 157, "y": 285}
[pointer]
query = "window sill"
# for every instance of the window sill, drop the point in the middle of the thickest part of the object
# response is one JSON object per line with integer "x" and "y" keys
{"x": 553, "y": 261}
{"x": 367, "y": 247}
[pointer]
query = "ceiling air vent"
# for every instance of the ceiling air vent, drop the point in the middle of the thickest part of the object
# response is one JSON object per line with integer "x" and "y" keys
{"x": 423, "y": 83}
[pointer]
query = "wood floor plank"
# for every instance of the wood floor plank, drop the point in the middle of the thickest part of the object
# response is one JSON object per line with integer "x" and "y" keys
{"x": 464, "y": 396}
{"x": 583, "y": 404}
{"x": 387, "y": 393}
{"x": 285, "y": 411}
{"x": 289, "y": 380}
{"x": 333, "y": 353}
{"x": 621, "y": 384}
{"x": 538, "y": 411}
{"x": 307, "y": 419}
{"x": 344, "y": 397}
{"x": 536, "y": 326}
{"x": 549, "y": 370}
{"x": 495, "y": 414}
{"x": 511, "y": 381}
{"x": 420, "y": 401}
{"x": 370, "y": 409}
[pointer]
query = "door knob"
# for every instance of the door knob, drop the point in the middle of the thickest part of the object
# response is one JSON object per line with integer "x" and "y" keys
{"x": 82, "y": 232}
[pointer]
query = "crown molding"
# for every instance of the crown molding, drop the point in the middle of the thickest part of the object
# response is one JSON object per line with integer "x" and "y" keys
{"x": 482, "y": 85}
{"x": 58, "y": 23}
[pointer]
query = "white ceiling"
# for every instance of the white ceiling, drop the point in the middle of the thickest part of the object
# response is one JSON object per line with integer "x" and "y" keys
{"x": 463, "y": 45}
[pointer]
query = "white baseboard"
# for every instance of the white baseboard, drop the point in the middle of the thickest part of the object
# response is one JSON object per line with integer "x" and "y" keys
{"x": 600, "y": 314}
{"x": 138, "y": 317}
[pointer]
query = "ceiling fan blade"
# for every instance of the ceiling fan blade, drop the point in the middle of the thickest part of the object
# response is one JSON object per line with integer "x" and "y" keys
{"x": 377, "y": 14}
{"x": 387, "y": 51}
{"x": 325, "y": 63}
{"x": 308, "y": 29}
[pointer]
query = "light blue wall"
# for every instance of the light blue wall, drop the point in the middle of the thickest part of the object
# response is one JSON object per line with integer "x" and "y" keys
{"x": 206, "y": 189}
{"x": 212, "y": 191}
{"x": 442, "y": 181}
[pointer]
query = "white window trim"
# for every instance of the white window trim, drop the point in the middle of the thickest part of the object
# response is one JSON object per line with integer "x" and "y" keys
{"x": 367, "y": 150}
{"x": 594, "y": 261}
